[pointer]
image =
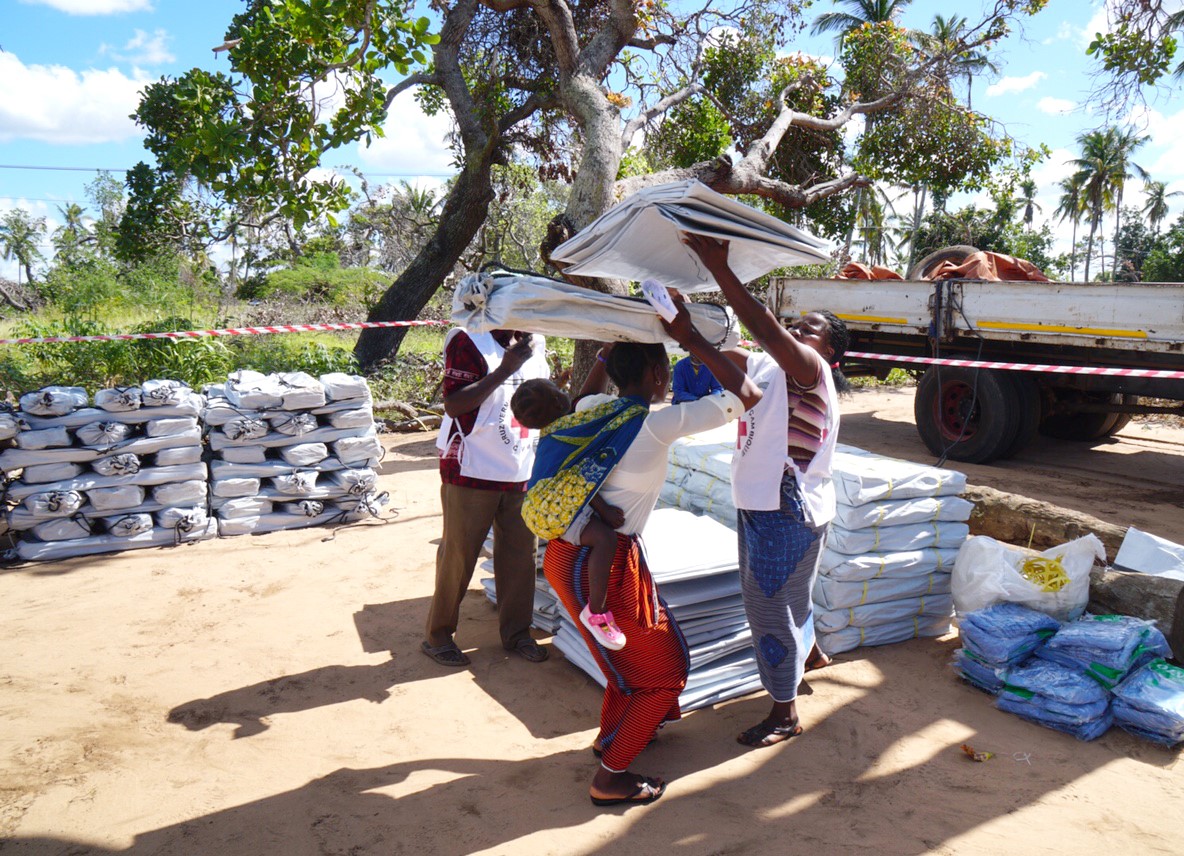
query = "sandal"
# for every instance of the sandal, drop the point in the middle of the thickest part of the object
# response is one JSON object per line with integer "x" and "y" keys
{"x": 647, "y": 791}
{"x": 447, "y": 654}
{"x": 603, "y": 628}
{"x": 760, "y": 734}
{"x": 530, "y": 650}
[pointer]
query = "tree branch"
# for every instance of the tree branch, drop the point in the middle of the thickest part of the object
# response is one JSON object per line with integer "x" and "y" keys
{"x": 646, "y": 116}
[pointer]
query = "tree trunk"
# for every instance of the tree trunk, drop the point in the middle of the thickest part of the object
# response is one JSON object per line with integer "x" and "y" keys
{"x": 465, "y": 209}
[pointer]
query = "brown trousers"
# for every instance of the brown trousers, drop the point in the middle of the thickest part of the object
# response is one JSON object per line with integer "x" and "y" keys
{"x": 468, "y": 514}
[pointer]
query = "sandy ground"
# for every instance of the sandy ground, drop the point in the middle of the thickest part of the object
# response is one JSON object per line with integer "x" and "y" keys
{"x": 266, "y": 696}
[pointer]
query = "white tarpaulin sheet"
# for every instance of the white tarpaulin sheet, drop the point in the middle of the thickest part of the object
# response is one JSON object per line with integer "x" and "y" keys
{"x": 639, "y": 239}
{"x": 906, "y": 563}
{"x": 862, "y": 477}
{"x": 535, "y": 304}
{"x": 886, "y": 539}
{"x": 885, "y": 612}
{"x": 897, "y": 512}
{"x": 883, "y": 634}
{"x": 1150, "y": 554}
{"x": 839, "y": 594}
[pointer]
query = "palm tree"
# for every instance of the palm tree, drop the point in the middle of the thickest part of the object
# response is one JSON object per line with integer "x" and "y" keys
{"x": 1069, "y": 208}
{"x": 72, "y": 234}
{"x": 861, "y": 12}
{"x": 1156, "y": 207}
{"x": 945, "y": 38}
{"x": 1098, "y": 167}
{"x": 20, "y": 236}
{"x": 1028, "y": 200}
{"x": 1124, "y": 143}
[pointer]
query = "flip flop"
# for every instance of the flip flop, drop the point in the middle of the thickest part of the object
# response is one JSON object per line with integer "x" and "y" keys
{"x": 447, "y": 654}
{"x": 758, "y": 736}
{"x": 651, "y": 789}
{"x": 530, "y": 650}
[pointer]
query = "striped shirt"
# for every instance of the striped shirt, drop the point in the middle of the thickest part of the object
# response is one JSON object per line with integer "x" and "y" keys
{"x": 807, "y": 419}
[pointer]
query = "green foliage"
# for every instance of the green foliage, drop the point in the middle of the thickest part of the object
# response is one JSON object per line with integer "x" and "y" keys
{"x": 257, "y": 134}
{"x": 1165, "y": 257}
{"x": 987, "y": 230}
{"x": 1129, "y": 50}
{"x": 292, "y": 354}
{"x": 320, "y": 277}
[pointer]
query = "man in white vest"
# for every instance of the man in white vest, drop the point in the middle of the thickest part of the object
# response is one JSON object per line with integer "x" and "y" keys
{"x": 485, "y": 462}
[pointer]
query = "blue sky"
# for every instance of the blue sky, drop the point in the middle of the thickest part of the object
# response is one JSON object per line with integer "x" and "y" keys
{"x": 70, "y": 71}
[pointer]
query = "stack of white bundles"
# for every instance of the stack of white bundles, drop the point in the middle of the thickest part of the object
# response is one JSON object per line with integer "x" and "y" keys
{"x": 693, "y": 560}
{"x": 884, "y": 575}
{"x": 291, "y": 451}
{"x": 121, "y": 474}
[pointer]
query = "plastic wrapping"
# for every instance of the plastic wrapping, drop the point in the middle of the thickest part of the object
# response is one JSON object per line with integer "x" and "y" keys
{"x": 117, "y": 465}
{"x": 119, "y": 399}
{"x": 53, "y": 400}
{"x": 1005, "y": 633}
{"x": 304, "y": 454}
{"x": 1106, "y": 647}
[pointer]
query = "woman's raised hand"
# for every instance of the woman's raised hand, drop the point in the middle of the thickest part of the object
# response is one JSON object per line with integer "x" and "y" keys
{"x": 681, "y": 329}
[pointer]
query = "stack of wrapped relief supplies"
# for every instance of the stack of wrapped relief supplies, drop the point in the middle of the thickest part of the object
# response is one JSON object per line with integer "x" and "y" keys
{"x": 118, "y": 475}
{"x": 291, "y": 451}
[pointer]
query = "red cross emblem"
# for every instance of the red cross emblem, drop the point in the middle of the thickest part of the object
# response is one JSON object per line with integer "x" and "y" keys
{"x": 523, "y": 431}
{"x": 741, "y": 432}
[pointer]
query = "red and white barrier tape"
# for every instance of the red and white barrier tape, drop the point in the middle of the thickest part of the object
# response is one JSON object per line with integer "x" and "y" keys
{"x": 1023, "y": 367}
{"x": 369, "y": 325}
{"x": 229, "y": 331}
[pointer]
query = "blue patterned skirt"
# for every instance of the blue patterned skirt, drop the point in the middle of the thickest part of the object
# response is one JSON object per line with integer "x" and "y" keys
{"x": 779, "y": 554}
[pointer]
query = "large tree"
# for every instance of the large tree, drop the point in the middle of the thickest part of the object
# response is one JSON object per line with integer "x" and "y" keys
{"x": 563, "y": 85}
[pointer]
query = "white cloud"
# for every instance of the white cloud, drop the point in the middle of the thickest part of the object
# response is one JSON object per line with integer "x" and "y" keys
{"x": 414, "y": 145}
{"x": 143, "y": 49}
{"x": 94, "y": 7}
{"x": 56, "y": 104}
{"x": 1055, "y": 106}
{"x": 1015, "y": 84}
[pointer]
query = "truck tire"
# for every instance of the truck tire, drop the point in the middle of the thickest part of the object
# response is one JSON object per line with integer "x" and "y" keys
{"x": 969, "y": 415}
{"x": 1029, "y": 411}
{"x": 1083, "y": 427}
{"x": 956, "y": 254}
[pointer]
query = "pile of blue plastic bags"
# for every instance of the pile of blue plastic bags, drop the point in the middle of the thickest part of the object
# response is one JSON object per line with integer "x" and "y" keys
{"x": 1079, "y": 677}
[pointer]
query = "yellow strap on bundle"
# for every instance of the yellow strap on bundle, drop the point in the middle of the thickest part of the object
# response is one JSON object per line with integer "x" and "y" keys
{"x": 1048, "y": 574}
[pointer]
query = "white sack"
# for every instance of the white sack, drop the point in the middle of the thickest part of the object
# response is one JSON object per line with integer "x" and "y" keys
{"x": 53, "y": 400}
{"x": 37, "y": 551}
{"x": 182, "y": 493}
{"x": 128, "y": 525}
{"x": 45, "y": 473}
{"x": 294, "y": 424}
{"x": 906, "y": 563}
{"x": 10, "y": 425}
{"x": 340, "y": 386}
{"x": 169, "y": 426}
{"x": 103, "y": 435}
{"x": 989, "y": 572}
{"x": 90, "y": 481}
{"x": 253, "y": 390}
{"x": 62, "y": 529}
{"x": 886, "y": 612}
{"x": 119, "y": 399}
{"x": 861, "y": 476}
{"x": 183, "y": 519}
{"x": 116, "y": 498}
{"x": 360, "y": 417}
{"x": 305, "y": 507}
{"x": 305, "y": 454}
{"x": 234, "y": 487}
{"x": 354, "y": 482}
{"x": 178, "y": 455}
{"x": 850, "y": 638}
{"x": 164, "y": 393}
{"x": 244, "y": 454}
{"x": 301, "y": 391}
{"x": 295, "y": 484}
{"x": 44, "y": 438}
{"x": 13, "y": 458}
{"x": 837, "y": 594}
{"x": 244, "y": 429}
{"x": 484, "y": 302}
{"x": 888, "y": 539}
{"x": 244, "y": 506}
{"x": 54, "y": 503}
{"x": 116, "y": 465}
{"x": 358, "y": 450}
{"x": 219, "y": 411}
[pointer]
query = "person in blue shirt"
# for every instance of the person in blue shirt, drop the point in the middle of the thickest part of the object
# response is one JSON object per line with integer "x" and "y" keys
{"x": 692, "y": 380}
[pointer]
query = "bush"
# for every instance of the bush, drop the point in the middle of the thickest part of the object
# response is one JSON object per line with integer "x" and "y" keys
{"x": 319, "y": 278}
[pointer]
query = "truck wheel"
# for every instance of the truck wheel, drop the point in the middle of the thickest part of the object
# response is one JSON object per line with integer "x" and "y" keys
{"x": 1028, "y": 396}
{"x": 1124, "y": 419}
{"x": 967, "y": 415}
{"x": 1082, "y": 427}
{"x": 956, "y": 254}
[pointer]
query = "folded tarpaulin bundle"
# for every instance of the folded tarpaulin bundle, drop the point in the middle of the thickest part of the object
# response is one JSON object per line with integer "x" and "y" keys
{"x": 53, "y": 400}
{"x": 128, "y": 525}
{"x": 357, "y": 417}
{"x": 898, "y": 512}
{"x": 902, "y": 563}
{"x": 119, "y": 398}
{"x": 106, "y": 434}
{"x": 304, "y": 454}
{"x": 882, "y": 612}
{"x": 63, "y": 528}
{"x": 862, "y": 477}
{"x": 1150, "y": 703}
{"x": 169, "y": 426}
{"x": 183, "y": 520}
{"x": 234, "y": 487}
{"x": 853, "y": 637}
{"x": 180, "y": 493}
{"x": 838, "y": 594}
{"x": 977, "y": 672}
{"x": 907, "y": 536}
{"x": 245, "y": 506}
{"x": 177, "y": 456}
{"x": 640, "y": 239}
{"x": 43, "y": 438}
{"x": 359, "y": 451}
{"x": 512, "y": 301}
{"x": 164, "y": 393}
{"x": 300, "y": 391}
{"x": 1056, "y": 696}
{"x": 1106, "y": 647}
{"x": 1005, "y": 633}
{"x": 44, "y": 473}
{"x": 39, "y": 551}
{"x": 115, "y": 498}
{"x": 54, "y": 503}
{"x": 10, "y": 424}
{"x": 116, "y": 465}
{"x": 340, "y": 386}
{"x": 244, "y": 429}
{"x": 254, "y": 390}
{"x": 298, "y": 422}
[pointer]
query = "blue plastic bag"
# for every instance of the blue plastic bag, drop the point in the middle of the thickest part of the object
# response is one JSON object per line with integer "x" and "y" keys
{"x": 1106, "y": 647}
{"x": 976, "y": 672}
{"x": 1005, "y": 633}
{"x": 1150, "y": 703}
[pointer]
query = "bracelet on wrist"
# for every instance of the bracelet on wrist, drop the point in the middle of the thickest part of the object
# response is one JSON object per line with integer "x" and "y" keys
{"x": 601, "y": 358}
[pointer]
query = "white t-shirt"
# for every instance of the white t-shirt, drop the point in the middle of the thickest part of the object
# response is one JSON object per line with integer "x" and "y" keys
{"x": 634, "y": 484}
